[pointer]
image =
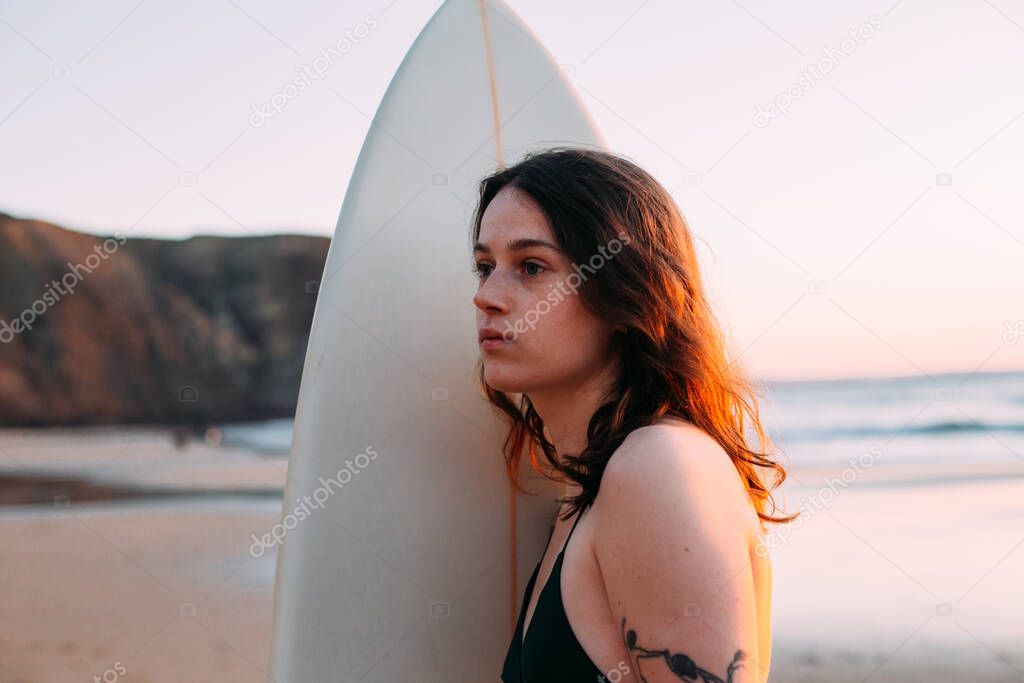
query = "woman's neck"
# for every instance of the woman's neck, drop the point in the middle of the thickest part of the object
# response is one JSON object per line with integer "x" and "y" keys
{"x": 566, "y": 413}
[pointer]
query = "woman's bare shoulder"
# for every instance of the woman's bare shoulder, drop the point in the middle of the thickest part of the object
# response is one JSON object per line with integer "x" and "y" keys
{"x": 668, "y": 444}
{"x": 675, "y": 460}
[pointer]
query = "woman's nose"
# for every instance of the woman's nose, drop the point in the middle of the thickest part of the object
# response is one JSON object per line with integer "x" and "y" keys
{"x": 490, "y": 296}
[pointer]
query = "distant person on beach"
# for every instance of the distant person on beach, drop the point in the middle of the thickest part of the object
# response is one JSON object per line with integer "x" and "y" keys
{"x": 180, "y": 437}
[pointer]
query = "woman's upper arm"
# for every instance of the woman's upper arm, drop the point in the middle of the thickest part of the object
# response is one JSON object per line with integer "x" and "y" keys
{"x": 673, "y": 544}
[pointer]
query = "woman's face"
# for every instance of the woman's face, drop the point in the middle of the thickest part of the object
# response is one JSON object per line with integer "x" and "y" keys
{"x": 527, "y": 293}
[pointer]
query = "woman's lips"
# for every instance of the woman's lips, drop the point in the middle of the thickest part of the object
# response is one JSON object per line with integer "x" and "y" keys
{"x": 493, "y": 343}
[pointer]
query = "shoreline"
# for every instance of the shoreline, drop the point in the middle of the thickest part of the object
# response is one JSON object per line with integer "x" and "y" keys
{"x": 27, "y": 490}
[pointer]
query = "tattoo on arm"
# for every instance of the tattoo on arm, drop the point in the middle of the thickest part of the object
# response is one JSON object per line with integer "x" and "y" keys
{"x": 678, "y": 663}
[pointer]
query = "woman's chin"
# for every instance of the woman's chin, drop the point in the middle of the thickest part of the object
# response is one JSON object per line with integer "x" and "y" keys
{"x": 502, "y": 381}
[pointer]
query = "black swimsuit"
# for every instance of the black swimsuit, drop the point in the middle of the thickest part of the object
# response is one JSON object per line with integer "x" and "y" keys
{"x": 550, "y": 652}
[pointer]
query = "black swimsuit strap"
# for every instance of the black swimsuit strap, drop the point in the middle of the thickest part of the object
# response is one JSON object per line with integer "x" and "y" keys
{"x": 579, "y": 515}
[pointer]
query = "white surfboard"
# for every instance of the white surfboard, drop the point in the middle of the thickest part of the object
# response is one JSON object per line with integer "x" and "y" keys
{"x": 408, "y": 563}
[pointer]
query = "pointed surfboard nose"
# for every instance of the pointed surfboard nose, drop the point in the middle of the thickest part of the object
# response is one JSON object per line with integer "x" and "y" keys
{"x": 415, "y": 550}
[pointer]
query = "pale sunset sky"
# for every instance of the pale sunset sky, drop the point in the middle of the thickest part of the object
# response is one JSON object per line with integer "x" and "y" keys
{"x": 873, "y": 229}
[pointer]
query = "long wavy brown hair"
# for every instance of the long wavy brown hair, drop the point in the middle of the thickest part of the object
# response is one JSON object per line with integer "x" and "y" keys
{"x": 672, "y": 354}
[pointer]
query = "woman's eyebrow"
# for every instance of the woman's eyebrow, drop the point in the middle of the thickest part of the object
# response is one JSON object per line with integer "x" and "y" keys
{"x": 517, "y": 245}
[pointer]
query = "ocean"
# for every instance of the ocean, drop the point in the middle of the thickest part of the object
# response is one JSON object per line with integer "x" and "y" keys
{"x": 945, "y": 419}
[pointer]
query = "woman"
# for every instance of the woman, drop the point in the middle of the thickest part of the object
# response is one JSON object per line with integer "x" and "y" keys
{"x": 590, "y": 307}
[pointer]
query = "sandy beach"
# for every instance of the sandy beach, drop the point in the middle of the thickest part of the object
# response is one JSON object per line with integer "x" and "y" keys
{"x": 165, "y": 590}
{"x": 903, "y": 578}
{"x": 877, "y": 585}
{"x": 156, "y": 582}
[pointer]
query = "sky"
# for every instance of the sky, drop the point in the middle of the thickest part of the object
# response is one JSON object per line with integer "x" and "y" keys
{"x": 851, "y": 171}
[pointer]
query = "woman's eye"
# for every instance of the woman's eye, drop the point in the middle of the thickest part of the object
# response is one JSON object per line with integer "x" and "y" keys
{"x": 484, "y": 269}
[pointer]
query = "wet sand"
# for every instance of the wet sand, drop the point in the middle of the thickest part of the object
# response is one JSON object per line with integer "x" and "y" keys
{"x": 135, "y": 591}
{"x": 126, "y": 557}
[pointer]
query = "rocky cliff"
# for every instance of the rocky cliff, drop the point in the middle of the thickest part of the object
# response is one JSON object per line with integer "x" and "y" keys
{"x": 120, "y": 329}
